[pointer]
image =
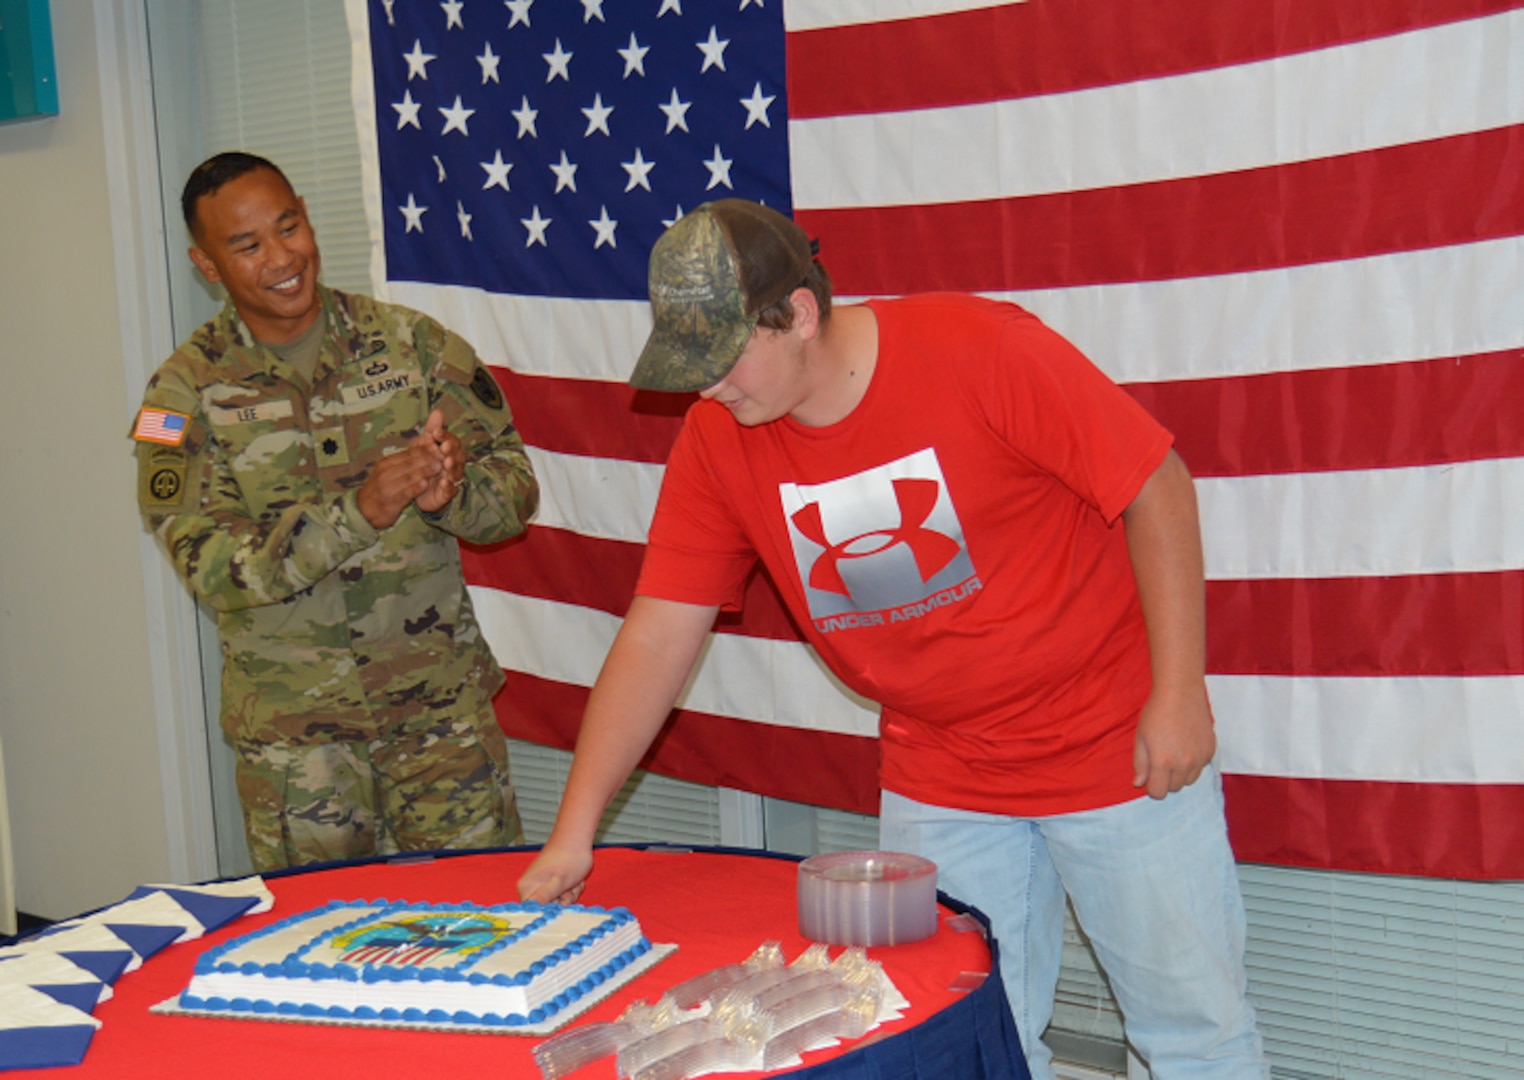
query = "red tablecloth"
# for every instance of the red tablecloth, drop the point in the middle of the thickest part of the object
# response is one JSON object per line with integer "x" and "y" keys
{"x": 717, "y": 906}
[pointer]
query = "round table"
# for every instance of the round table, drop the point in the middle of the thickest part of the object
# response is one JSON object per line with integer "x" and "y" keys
{"x": 716, "y": 904}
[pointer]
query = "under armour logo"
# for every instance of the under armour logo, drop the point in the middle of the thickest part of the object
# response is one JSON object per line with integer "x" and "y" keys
{"x": 916, "y": 498}
{"x": 875, "y": 540}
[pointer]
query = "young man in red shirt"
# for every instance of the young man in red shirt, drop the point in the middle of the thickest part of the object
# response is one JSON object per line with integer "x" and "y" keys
{"x": 980, "y": 531}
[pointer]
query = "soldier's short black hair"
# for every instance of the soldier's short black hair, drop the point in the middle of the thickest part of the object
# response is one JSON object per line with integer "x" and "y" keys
{"x": 215, "y": 171}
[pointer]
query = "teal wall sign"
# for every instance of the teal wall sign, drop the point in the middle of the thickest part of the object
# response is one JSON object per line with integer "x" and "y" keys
{"x": 28, "y": 80}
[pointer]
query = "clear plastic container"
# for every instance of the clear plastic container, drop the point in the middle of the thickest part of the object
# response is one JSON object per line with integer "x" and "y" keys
{"x": 867, "y": 898}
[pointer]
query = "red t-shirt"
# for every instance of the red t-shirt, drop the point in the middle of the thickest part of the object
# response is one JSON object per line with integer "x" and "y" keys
{"x": 952, "y": 549}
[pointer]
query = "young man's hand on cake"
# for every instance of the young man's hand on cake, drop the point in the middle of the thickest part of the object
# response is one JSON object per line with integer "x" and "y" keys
{"x": 556, "y": 876}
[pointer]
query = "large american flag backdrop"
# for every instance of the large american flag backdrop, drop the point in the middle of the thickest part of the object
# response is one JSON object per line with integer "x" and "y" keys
{"x": 1295, "y": 231}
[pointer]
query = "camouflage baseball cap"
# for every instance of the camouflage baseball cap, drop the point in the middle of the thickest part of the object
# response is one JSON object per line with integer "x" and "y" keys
{"x": 711, "y": 273}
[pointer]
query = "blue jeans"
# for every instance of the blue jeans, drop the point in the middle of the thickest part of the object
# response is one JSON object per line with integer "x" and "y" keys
{"x": 1154, "y": 887}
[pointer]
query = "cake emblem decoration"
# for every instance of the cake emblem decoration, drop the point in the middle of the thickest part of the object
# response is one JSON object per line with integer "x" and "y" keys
{"x": 415, "y": 940}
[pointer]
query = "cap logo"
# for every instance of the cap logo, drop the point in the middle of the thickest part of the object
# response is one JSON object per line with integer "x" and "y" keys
{"x": 680, "y": 293}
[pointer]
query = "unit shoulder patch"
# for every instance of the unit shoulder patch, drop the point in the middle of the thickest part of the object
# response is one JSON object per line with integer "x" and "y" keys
{"x": 161, "y": 474}
{"x": 486, "y": 389}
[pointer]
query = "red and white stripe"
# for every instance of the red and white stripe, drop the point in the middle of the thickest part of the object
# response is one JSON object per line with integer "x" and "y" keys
{"x": 1298, "y": 240}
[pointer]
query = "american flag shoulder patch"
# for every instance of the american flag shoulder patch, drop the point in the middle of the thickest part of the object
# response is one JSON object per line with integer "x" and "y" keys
{"x": 160, "y": 426}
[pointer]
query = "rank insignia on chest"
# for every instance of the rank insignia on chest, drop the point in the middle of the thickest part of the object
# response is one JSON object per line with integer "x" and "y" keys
{"x": 485, "y": 387}
{"x": 160, "y": 426}
{"x": 332, "y": 447}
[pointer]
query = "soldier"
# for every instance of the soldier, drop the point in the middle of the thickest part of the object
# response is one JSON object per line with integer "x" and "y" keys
{"x": 308, "y": 459}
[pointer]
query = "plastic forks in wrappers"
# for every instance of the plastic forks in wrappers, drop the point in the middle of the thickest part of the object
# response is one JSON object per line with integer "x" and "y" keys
{"x": 756, "y": 1014}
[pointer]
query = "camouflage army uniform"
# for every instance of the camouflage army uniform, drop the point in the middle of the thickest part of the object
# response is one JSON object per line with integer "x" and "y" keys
{"x": 356, "y": 684}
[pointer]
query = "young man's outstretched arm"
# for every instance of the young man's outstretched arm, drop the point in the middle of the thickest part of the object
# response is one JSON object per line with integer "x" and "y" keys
{"x": 650, "y": 660}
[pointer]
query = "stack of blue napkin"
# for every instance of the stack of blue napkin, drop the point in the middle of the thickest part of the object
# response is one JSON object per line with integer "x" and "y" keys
{"x": 51, "y": 983}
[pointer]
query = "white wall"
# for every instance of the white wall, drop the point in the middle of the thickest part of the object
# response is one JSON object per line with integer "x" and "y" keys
{"x": 87, "y": 750}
